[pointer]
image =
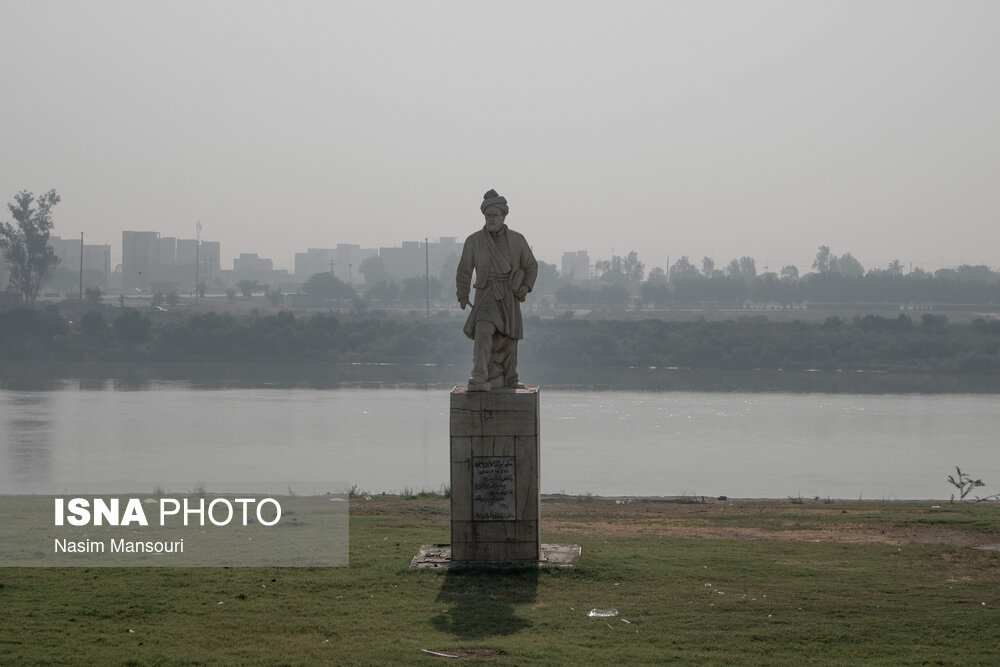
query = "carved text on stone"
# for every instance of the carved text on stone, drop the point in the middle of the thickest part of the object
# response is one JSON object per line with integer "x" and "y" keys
{"x": 493, "y": 488}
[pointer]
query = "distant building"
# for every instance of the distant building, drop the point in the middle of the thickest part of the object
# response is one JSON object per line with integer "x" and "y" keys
{"x": 344, "y": 262}
{"x": 168, "y": 251}
{"x": 444, "y": 256}
{"x": 164, "y": 264}
{"x": 96, "y": 265}
{"x": 250, "y": 266}
{"x": 312, "y": 261}
{"x": 407, "y": 261}
{"x": 65, "y": 277}
{"x": 187, "y": 252}
{"x": 211, "y": 262}
{"x": 140, "y": 259}
{"x": 575, "y": 265}
{"x": 414, "y": 259}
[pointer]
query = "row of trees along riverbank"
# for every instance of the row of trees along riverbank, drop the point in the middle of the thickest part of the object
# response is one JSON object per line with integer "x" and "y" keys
{"x": 867, "y": 342}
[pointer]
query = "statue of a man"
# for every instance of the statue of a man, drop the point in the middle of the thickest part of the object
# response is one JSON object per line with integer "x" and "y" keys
{"x": 505, "y": 273}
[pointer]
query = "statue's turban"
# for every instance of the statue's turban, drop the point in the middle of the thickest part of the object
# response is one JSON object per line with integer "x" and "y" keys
{"x": 491, "y": 198}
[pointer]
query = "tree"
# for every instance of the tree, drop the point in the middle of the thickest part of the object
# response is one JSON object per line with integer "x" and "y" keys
{"x": 683, "y": 269}
{"x": 414, "y": 289}
{"x": 93, "y": 295}
{"x": 569, "y": 294}
{"x": 634, "y": 269}
{"x": 93, "y": 326}
{"x": 611, "y": 271}
{"x": 132, "y": 327}
{"x": 373, "y": 269}
{"x": 30, "y": 258}
{"x": 822, "y": 261}
{"x": 657, "y": 277}
{"x": 248, "y": 287}
{"x": 790, "y": 273}
{"x": 614, "y": 295}
{"x": 621, "y": 270}
{"x": 848, "y": 266}
{"x": 707, "y": 266}
{"x": 383, "y": 290}
{"x": 545, "y": 282}
{"x": 976, "y": 274}
{"x": 328, "y": 286}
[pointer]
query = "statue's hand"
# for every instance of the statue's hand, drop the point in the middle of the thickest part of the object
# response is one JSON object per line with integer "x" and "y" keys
{"x": 521, "y": 293}
{"x": 464, "y": 302}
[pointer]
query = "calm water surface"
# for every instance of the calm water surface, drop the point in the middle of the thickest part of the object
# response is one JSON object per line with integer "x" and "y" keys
{"x": 97, "y": 437}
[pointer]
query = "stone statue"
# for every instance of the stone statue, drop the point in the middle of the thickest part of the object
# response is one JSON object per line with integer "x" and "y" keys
{"x": 505, "y": 273}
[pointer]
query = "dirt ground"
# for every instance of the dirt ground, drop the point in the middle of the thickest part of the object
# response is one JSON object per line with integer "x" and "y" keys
{"x": 838, "y": 521}
{"x": 846, "y": 522}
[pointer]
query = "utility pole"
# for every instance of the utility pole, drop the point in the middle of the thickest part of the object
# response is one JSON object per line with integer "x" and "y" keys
{"x": 81, "y": 266}
{"x": 427, "y": 274}
{"x": 197, "y": 260}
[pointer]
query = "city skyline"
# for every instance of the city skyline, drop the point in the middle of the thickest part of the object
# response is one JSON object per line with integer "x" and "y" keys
{"x": 227, "y": 258}
{"x": 114, "y": 257}
{"x": 170, "y": 263}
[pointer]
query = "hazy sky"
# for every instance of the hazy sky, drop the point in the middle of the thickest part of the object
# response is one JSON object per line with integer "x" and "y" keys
{"x": 671, "y": 128}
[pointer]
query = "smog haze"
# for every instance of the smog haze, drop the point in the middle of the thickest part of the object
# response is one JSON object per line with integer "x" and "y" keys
{"x": 717, "y": 129}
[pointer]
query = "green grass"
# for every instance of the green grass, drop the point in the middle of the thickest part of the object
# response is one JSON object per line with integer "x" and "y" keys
{"x": 771, "y": 601}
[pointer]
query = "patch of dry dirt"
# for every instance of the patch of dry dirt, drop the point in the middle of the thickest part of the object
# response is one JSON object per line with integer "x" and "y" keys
{"x": 754, "y": 519}
{"x": 845, "y": 522}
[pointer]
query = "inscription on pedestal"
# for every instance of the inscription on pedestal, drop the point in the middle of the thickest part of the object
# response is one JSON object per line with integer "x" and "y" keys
{"x": 493, "y": 488}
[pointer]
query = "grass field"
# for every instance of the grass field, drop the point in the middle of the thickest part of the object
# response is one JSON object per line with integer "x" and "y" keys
{"x": 737, "y": 582}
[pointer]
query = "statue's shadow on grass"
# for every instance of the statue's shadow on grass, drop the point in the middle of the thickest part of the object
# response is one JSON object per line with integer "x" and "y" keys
{"x": 481, "y": 602}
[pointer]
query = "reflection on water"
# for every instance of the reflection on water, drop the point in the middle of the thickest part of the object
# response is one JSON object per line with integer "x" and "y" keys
{"x": 28, "y": 424}
{"x": 93, "y": 384}
{"x": 131, "y": 384}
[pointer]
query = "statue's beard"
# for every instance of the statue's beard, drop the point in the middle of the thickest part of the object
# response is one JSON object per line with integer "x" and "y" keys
{"x": 494, "y": 227}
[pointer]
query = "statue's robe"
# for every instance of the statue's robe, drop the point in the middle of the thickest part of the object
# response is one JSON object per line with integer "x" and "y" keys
{"x": 502, "y": 263}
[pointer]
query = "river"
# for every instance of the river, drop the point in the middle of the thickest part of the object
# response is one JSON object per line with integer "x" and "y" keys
{"x": 103, "y": 436}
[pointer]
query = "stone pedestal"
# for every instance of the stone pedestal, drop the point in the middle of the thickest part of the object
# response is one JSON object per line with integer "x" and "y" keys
{"x": 494, "y": 476}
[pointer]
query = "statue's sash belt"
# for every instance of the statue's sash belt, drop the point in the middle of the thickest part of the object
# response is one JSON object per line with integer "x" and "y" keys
{"x": 500, "y": 271}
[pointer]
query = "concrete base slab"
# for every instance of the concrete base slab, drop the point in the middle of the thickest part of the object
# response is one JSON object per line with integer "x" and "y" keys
{"x": 439, "y": 556}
